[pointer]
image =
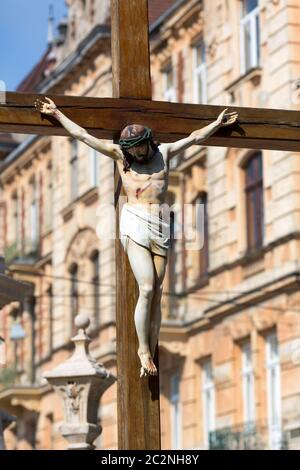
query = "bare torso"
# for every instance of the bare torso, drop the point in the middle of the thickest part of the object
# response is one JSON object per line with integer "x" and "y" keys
{"x": 146, "y": 184}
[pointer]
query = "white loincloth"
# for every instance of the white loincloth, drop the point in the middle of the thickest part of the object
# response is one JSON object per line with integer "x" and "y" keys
{"x": 146, "y": 229}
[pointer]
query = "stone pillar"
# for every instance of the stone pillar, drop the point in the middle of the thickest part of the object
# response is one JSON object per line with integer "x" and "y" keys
{"x": 80, "y": 381}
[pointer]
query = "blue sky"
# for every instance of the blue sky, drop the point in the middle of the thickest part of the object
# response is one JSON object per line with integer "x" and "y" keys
{"x": 23, "y": 36}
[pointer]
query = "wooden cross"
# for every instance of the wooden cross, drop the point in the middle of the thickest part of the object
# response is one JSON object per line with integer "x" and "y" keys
{"x": 138, "y": 399}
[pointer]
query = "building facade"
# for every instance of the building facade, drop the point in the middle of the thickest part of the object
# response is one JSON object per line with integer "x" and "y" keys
{"x": 230, "y": 338}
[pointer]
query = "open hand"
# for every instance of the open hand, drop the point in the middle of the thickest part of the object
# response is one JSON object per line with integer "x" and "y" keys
{"x": 44, "y": 107}
{"x": 225, "y": 119}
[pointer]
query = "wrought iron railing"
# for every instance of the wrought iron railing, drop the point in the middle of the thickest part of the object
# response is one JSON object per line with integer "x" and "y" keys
{"x": 250, "y": 436}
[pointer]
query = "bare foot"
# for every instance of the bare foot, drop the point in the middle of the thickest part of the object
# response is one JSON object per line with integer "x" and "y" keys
{"x": 143, "y": 372}
{"x": 148, "y": 366}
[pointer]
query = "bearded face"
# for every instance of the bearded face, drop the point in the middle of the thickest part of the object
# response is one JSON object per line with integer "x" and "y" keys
{"x": 140, "y": 152}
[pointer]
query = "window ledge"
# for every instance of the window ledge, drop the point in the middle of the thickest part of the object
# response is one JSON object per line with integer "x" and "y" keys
{"x": 90, "y": 196}
{"x": 252, "y": 255}
{"x": 87, "y": 198}
{"x": 252, "y": 75}
{"x": 48, "y": 230}
{"x": 67, "y": 212}
{"x": 201, "y": 282}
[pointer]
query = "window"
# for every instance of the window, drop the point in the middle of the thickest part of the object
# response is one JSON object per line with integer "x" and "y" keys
{"x": 96, "y": 290}
{"x": 175, "y": 412}
{"x": 249, "y": 35}
{"x": 208, "y": 399}
{"x": 94, "y": 173}
{"x": 74, "y": 294}
{"x": 199, "y": 68}
{"x": 254, "y": 201}
{"x": 34, "y": 215}
{"x": 74, "y": 169}
{"x": 169, "y": 87}
{"x": 196, "y": 238}
{"x": 273, "y": 390}
{"x": 202, "y": 199}
{"x": 248, "y": 384}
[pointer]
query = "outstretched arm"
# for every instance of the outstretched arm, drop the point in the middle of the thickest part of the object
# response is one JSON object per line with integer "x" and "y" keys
{"x": 108, "y": 149}
{"x": 198, "y": 136}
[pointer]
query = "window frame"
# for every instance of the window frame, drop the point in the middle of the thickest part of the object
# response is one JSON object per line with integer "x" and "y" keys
{"x": 247, "y": 371}
{"x": 251, "y": 18}
{"x": 169, "y": 93}
{"x": 208, "y": 387}
{"x": 94, "y": 167}
{"x": 199, "y": 70}
{"x": 176, "y": 415}
{"x": 255, "y": 218}
{"x": 273, "y": 364}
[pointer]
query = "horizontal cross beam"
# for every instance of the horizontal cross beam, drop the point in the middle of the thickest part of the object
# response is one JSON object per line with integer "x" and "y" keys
{"x": 258, "y": 128}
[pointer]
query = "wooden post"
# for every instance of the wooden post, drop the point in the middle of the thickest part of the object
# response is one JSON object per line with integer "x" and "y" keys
{"x": 138, "y": 398}
{"x": 257, "y": 128}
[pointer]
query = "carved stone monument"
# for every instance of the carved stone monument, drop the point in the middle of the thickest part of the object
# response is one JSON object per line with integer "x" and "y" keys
{"x": 80, "y": 381}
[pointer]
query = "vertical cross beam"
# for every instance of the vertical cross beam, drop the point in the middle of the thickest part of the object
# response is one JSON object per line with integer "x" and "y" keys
{"x": 138, "y": 398}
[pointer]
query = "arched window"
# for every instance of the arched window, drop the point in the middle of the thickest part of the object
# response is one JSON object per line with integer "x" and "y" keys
{"x": 254, "y": 201}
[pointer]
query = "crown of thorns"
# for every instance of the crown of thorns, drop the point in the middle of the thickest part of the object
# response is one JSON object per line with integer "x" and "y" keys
{"x": 135, "y": 141}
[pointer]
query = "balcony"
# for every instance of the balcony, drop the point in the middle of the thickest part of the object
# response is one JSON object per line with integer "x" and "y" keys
{"x": 26, "y": 250}
{"x": 250, "y": 436}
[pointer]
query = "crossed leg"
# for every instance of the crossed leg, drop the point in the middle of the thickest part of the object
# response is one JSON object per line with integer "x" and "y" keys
{"x": 148, "y": 272}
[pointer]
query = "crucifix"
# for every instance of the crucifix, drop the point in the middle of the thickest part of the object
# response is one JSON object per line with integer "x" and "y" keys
{"x": 138, "y": 397}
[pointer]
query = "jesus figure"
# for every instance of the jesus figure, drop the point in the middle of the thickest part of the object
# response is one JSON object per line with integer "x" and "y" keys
{"x": 144, "y": 168}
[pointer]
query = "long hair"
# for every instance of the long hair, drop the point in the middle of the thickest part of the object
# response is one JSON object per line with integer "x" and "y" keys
{"x": 129, "y": 159}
